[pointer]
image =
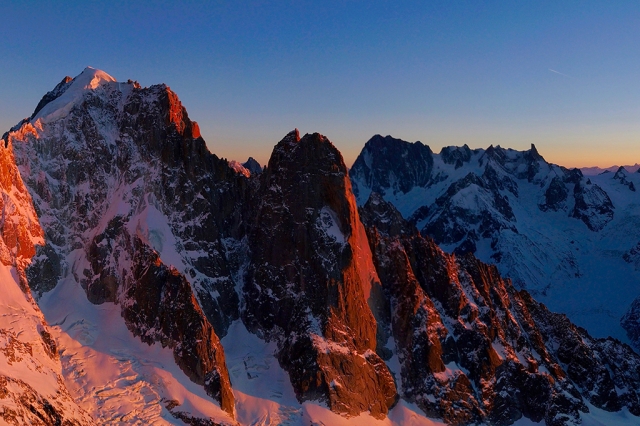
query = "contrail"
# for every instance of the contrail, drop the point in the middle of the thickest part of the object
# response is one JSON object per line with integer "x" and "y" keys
{"x": 558, "y": 72}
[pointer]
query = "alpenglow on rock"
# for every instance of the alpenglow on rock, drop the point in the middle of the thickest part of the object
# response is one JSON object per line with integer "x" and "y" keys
{"x": 182, "y": 288}
{"x": 32, "y": 389}
{"x": 473, "y": 349}
{"x": 310, "y": 278}
{"x": 120, "y": 175}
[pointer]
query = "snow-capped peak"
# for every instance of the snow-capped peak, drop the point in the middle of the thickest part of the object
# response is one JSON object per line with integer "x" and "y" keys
{"x": 88, "y": 79}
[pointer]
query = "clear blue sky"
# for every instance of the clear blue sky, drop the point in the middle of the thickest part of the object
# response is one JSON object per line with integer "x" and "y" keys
{"x": 445, "y": 73}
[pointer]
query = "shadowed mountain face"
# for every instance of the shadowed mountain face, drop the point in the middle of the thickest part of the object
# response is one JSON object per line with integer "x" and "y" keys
{"x": 123, "y": 206}
{"x": 570, "y": 240}
{"x": 472, "y": 348}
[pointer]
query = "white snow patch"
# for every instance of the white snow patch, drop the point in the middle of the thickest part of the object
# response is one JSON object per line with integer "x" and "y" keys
{"x": 152, "y": 226}
{"x": 112, "y": 374}
{"x": 329, "y": 223}
{"x": 89, "y": 79}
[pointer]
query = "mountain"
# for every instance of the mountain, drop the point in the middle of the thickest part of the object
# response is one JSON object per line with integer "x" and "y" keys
{"x": 174, "y": 287}
{"x": 473, "y": 349}
{"x": 252, "y": 165}
{"x": 308, "y": 287}
{"x": 123, "y": 185}
{"x": 32, "y": 389}
{"x": 593, "y": 171}
{"x": 568, "y": 239}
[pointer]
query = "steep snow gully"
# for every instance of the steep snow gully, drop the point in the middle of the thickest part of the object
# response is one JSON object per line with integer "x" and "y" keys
{"x": 147, "y": 281}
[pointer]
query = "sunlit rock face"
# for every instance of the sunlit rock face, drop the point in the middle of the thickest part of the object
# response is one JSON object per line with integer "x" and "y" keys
{"x": 310, "y": 278}
{"x": 110, "y": 193}
{"x": 122, "y": 183}
{"x": 471, "y": 348}
{"x": 32, "y": 389}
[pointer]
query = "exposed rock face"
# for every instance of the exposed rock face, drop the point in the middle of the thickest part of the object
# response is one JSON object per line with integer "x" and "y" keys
{"x": 396, "y": 166}
{"x": 253, "y": 166}
{"x": 31, "y": 387}
{"x": 122, "y": 182}
{"x": 592, "y": 206}
{"x": 555, "y": 196}
{"x": 160, "y": 306}
{"x": 457, "y": 156}
{"x": 133, "y": 210}
{"x": 606, "y": 371}
{"x": 473, "y": 349}
{"x": 310, "y": 278}
{"x": 552, "y": 230}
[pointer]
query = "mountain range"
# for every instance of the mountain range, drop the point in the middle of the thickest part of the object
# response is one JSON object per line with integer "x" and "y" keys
{"x": 148, "y": 281}
{"x": 568, "y": 239}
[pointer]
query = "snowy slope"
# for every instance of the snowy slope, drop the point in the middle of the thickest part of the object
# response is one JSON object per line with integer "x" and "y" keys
{"x": 31, "y": 386}
{"x": 112, "y": 374}
{"x": 147, "y": 251}
{"x": 105, "y": 203}
{"x": 559, "y": 239}
{"x": 265, "y": 395}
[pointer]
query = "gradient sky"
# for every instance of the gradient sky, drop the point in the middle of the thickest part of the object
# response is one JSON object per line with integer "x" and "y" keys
{"x": 563, "y": 75}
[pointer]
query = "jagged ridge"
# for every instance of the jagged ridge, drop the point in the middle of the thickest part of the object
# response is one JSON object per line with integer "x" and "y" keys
{"x": 137, "y": 212}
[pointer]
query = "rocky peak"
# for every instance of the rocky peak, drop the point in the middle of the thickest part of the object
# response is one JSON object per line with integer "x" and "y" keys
{"x": 70, "y": 94}
{"x": 177, "y": 115}
{"x": 389, "y": 165}
{"x": 122, "y": 178}
{"x": 495, "y": 153}
{"x": 534, "y": 155}
{"x": 456, "y": 155}
{"x": 622, "y": 175}
{"x": 310, "y": 279}
{"x": 572, "y": 175}
{"x": 253, "y": 166}
{"x": 620, "y": 172}
{"x": 292, "y": 137}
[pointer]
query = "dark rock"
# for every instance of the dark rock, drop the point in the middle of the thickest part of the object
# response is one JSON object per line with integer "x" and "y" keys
{"x": 555, "y": 196}
{"x": 161, "y": 307}
{"x": 456, "y": 155}
{"x": 592, "y": 206}
{"x": 310, "y": 277}
{"x": 473, "y": 349}
{"x": 53, "y": 95}
{"x": 383, "y": 157}
{"x": 387, "y": 218}
{"x": 253, "y": 166}
{"x": 631, "y": 322}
